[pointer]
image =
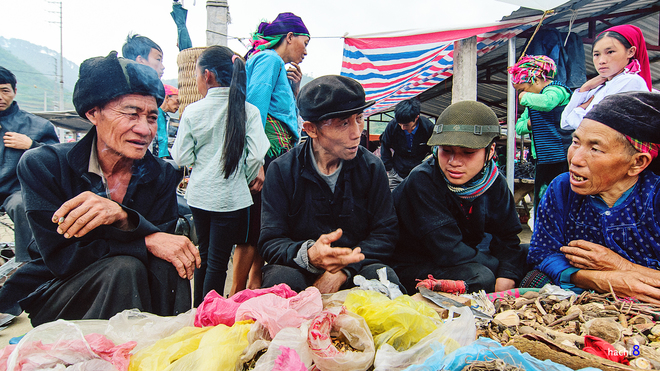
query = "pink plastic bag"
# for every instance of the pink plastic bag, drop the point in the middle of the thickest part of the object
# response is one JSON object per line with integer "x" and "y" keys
{"x": 349, "y": 328}
{"x": 216, "y": 309}
{"x": 62, "y": 342}
{"x": 288, "y": 361}
{"x": 276, "y": 313}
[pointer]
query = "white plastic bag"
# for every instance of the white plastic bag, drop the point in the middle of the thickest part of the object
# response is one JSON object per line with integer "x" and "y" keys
{"x": 453, "y": 334}
{"x": 291, "y": 337}
{"x": 145, "y": 328}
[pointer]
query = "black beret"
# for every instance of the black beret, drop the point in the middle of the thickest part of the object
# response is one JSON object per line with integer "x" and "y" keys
{"x": 102, "y": 79}
{"x": 635, "y": 114}
{"x": 331, "y": 96}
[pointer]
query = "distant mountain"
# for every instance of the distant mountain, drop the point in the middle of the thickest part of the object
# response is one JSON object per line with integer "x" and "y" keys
{"x": 42, "y": 59}
{"x": 32, "y": 85}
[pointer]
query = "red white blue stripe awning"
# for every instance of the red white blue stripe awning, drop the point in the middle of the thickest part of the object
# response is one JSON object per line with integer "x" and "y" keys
{"x": 396, "y": 66}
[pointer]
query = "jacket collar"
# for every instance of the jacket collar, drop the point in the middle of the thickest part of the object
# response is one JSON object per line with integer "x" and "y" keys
{"x": 146, "y": 169}
{"x": 306, "y": 161}
{"x": 13, "y": 108}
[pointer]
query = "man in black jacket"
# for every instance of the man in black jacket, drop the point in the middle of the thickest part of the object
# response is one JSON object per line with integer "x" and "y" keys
{"x": 406, "y": 135}
{"x": 447, "y": 204}
{"x": 20, "y": 131}
{"x": 101, "y": 210}
{"x": 327, "y": 212}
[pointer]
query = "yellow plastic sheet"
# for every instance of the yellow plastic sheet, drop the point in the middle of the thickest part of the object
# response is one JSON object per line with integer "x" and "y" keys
{"x": 166, "y": 351}
{"x": 401, "y": 322}
{"x": 220, "y": 349}
{"x": 193, "y": 348}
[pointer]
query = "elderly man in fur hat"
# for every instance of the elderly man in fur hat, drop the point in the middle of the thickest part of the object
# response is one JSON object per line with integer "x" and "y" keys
{"x": 599, "y": 226}
{"x": 102, "y": 209}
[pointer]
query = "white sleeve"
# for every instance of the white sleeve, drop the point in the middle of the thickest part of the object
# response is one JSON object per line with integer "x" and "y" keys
{"x": 256, "y": 142}
{"x": 622, "y": 83}
{"x": 572, "y": 115}
{"x": 183, "y": 149}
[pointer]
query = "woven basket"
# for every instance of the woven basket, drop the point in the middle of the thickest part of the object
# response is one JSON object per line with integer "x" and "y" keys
{"x": 187, "y": 83}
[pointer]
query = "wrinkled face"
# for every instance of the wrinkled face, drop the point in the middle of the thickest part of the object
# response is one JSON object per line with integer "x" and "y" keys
{"x": 126, "y": 125}
{"x": 610, "y": 56}
{"x": 154, "y": 61}
{"x": 297, "y": 49}
{"x": 7, "y": 95}
{"x": 597, "y": 159}
{"x": 171, "y": 103}
{"x": 460, "y": 164}
{"x": 339, "y": 137}
{"x": 408, "y": 126}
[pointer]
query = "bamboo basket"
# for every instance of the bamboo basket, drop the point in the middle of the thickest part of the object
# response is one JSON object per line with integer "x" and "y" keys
{"x": 186, "y": 61}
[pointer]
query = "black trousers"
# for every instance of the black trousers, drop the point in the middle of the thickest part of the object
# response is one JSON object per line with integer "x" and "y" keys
{"x": 545, "y": 173}
{"x": 110, "y": 286}
{"x": 299, "y": 279}
{"x": 217, "y": 233}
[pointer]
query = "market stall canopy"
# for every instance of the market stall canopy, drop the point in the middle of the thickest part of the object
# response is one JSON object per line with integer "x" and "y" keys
{"x": 396, "y": 66}
{"x": 536, "y": 4}
{"x": 69, "y": 120}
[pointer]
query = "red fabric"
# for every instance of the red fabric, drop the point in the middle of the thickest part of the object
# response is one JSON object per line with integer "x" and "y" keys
{"x": 603, "y": 349}
{"x": 449, "y": 286}
{"x": 635, "y": 37}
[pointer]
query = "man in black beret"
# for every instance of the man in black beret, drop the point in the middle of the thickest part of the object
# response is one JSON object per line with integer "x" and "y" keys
{"x": 599, "y": 225}
{"x": 102, "y": 209}
{"x": 327, "y": 211}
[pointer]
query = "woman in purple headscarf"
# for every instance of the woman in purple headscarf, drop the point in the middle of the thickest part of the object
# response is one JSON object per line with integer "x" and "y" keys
{"x": 273, "y": 89}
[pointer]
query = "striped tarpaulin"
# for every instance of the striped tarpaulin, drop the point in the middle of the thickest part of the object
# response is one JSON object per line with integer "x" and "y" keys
{"x": 400, "y": 65}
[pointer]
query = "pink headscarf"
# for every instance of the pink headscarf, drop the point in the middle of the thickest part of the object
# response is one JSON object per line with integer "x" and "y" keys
{"x": 635, "y": 37}
{"x": 170, "y": 90}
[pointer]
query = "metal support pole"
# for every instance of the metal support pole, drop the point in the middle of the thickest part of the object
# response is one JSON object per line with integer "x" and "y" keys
{"x": 510, "y": 118}
{"x": 217, "y": 18}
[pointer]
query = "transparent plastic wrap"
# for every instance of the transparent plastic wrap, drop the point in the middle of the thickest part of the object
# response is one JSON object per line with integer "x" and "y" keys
{"x": 351, "y": 333}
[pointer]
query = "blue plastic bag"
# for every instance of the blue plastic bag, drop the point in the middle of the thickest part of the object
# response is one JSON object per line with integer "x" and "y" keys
{"x": 486, "y": 349}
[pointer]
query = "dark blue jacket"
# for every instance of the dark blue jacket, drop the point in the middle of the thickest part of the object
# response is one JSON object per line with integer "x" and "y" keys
{"x": 436, "y": 228}
{"x": 52, "y": 175}
{"x": 404, "y": 158}
{"x": 297, "y": 205}
{"x": 41, "y": 131}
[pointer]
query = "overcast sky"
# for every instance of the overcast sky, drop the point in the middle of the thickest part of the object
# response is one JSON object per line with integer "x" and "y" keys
{"x": 95, "y": 27}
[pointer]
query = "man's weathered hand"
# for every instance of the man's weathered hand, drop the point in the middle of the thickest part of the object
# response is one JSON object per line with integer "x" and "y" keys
{"x": 332, "y": 259}
{"x": 503, "y": 284}
{"x": 588, "y": 255}
{"x": 17, "y": 140}
{"x": 175, "y": 249}
{"x": 83, "y": 213}
{"x": 330, "y": 283}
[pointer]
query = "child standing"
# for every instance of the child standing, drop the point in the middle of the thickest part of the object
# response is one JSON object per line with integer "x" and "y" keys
{"x": 544, "y": 100}
{"x": 222, "y": 137}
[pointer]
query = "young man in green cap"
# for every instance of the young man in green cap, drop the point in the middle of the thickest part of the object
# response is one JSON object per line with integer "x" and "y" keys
{"x": 449, "y": 202}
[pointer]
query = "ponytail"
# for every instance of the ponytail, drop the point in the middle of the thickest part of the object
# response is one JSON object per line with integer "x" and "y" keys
{"x": 229, "y": 71}
{"x": 236, "y": 118}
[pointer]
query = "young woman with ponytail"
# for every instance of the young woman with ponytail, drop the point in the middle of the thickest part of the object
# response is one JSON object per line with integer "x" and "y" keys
{"x": 222, "y": 137}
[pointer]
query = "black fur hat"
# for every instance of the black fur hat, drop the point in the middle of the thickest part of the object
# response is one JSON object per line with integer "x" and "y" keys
{"x": 635, "y": 114}
{"x": 102, "y": 79}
